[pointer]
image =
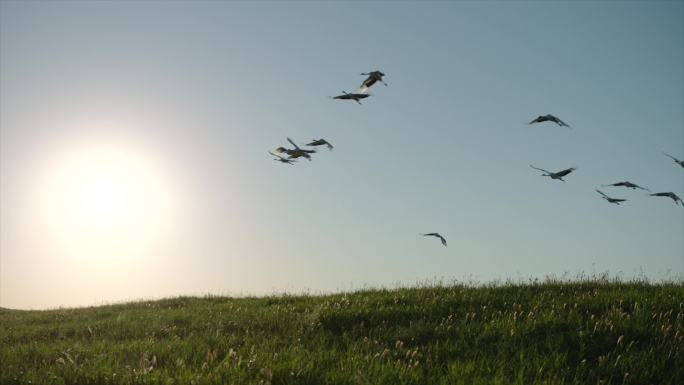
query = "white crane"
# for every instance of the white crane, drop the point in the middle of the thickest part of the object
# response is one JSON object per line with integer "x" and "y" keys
{"x": 556, "y": 175}
{"x": 444, "y": 242}
{"x": 670, "y": 195}
{"x": 549, "y": 118}
{"x": 609, "y": 199}
{"x": 679, "y": 162}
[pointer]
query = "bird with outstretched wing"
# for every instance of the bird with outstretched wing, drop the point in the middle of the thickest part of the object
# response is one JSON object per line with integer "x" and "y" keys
{"x": 679, "y": 162}
{"x": 320, "y": 142}
{"x": 281, "y": 159}
{"x": 373, "y": 77}
{"x": 549, "y": 118}
{"x": 627, "y": 184}
{"x": 670, "y": 195}
{"x": 444, "y": 242}
{"x": 556, "y": 175}
{"x": 609, "y": 199}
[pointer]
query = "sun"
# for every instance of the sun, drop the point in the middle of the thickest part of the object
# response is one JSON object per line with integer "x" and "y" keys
{"x": 105, "y": 197}
{"x": 105, "y": 201}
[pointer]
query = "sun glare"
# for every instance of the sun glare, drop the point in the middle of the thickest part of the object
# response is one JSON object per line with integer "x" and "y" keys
{"x": 105, "y": 201}
{"x": 105, "y": 197}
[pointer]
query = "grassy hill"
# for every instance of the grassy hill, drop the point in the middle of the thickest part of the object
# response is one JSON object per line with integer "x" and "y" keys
{"x": 592, "y": 332}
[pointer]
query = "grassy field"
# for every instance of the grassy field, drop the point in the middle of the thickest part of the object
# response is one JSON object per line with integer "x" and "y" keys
{"x": 589, "y": 332}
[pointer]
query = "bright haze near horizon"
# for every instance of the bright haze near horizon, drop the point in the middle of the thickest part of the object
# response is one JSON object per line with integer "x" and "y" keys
{"x": 134, "y": 139}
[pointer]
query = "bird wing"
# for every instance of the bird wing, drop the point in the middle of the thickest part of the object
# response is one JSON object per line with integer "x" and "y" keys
{"x": 604, "y": 195}
{"x": 563, "y": 124}
{"x": 369, "y": 82}
{"x": 643, "y": 188}
{"x": 536, "y": 120}
{"x": 541, "y": 169}
{"x": 293, "y": 143}
{"x": 566, "y": 171}
{"x": 277, "y": 156}
{"x": 444, "y": 242}
{"x": 670, "y": 156}
{"x": 318, "y": 142}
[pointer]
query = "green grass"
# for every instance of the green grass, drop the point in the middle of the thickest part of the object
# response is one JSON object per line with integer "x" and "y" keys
{"x": 588, "y": 332}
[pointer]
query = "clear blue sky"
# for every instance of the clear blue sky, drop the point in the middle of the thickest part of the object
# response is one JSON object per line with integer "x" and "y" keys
{"x": 134, "y": 139}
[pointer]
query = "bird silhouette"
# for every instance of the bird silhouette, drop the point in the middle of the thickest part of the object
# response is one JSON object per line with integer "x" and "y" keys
{"x": 373, "y": 77}
{"x": 444, "y": 242}
{"x": 347, "y": 96}
{"x": 549, "y": 118}
{"x": 670, "y": 195}
{"x": 626, "y": 184}
{"x": 556, "y": 175}
{"x": 295, "y": 152}
{"x": 320, "y": 142}
{"x": 281, "y": 159}
{"x": 609, "y": 199}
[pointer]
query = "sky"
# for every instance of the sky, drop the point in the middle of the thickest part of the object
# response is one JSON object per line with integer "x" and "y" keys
{"x": 134, "y": 140}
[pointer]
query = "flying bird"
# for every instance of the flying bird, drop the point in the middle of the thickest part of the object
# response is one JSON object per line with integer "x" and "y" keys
{"x": 556, "y": 175}
{"x": 670, "y": 195}
{"x": 281, "y": 159}
{"x": 626, "y": 184}
{"x": 679, "y": 162}
{"x": 549, "y": 118}
{"x": 436, "y": 235}
{"x": 354, "y": 97}
{"x": 320, "y": 142}
{"x": 299, "y": 152}
{"x": 296, "y": 152}
{"x": 609, "y": 199}
{"x": 373, "y": 77}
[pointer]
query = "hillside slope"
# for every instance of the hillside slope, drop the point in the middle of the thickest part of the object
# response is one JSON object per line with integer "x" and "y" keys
{"x": 552, "y": 333}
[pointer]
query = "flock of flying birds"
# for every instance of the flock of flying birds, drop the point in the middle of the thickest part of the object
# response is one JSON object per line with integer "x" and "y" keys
{"x": 376, "y": 76}
{"x": 298, "y": 152}
{"x": 560, "y": 174}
